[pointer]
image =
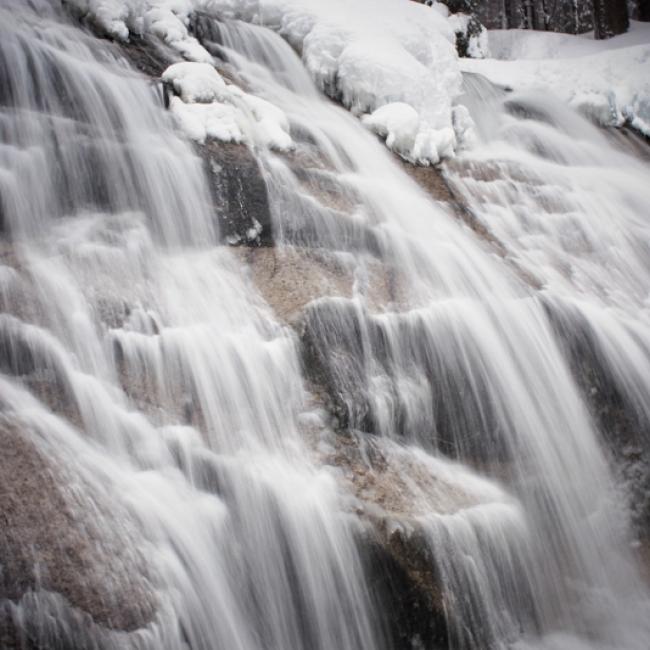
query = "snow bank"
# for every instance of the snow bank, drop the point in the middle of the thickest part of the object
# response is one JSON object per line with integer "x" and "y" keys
{"x": 521, "y": 44}
{"x": 400, "y": 125}
{"x": 377, "y": 57}
{"x": 206, "y": 107}
{"x": 607, "y": 80}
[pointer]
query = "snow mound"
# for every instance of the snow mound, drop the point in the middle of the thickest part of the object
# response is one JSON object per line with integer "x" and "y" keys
{"x": 607, "y": 80}
{"x": 400, "y": 124}
{"x": 206, "y": 107}
{"x": 202, "y": 122}
{"x": 523, "y": 44}
{"x": 371, "y": 55}
{"x": 195, "y": 82}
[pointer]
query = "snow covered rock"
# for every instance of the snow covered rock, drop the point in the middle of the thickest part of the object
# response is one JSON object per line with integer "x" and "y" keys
{"x": 206, "y": 107}
{"x": 464, "y": 128}
{"x": 195, "y": 82}
{"x": 367, "y": 54}
{"x": 201, "y": 122}
{"x": 166, "y": 19}
{"x": 471, "y": 36}
{"x": 399, "y": 124}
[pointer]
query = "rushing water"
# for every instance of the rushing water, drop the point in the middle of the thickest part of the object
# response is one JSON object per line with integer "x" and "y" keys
{"x": 570, "y": 201}
{"x": 115, "y": 255}
{"x": 183, "y": 398}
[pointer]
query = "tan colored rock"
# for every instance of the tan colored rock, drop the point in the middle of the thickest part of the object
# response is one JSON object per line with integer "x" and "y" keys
{"x": 289, "y": 278}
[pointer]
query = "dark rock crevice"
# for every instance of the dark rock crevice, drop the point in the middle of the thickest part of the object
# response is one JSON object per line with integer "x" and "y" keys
{"x": 625, "y": 431}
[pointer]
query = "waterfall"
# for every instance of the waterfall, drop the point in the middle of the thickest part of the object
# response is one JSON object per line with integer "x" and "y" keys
{"x": 250, "y": 464}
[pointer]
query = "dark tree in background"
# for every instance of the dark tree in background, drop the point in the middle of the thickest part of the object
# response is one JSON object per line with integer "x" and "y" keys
{"x": 606, "y": 17}
{"x": 643, "y": 10}
{"x": 610, "y": 18}
{"x": 569, "y": 16}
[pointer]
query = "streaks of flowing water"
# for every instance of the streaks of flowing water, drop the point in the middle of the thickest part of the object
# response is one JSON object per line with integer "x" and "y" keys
{"x": 470, "y": 360}
{"x": 181, "y": 388}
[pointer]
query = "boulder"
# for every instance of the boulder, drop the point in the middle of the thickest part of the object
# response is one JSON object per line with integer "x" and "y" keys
{"x": 393, "y": 491}
{"x": 320, "y": 273}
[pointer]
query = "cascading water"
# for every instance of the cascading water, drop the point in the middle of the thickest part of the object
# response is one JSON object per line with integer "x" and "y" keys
{"x": 171, "y": 387}
{"x": 571, "y": 204}
{"x": 151, "y": 333}
{"x": 468, "y": 364}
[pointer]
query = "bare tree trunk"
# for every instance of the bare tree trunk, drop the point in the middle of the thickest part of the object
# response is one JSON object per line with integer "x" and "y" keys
{"x": 610, "y": 18}
{"x": 644, "y": 10}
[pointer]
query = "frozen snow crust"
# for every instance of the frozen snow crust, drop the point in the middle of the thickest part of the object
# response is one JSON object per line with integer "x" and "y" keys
{"x": 607, "y": 80}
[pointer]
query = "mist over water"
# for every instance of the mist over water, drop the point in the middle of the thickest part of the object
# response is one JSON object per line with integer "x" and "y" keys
{"x": 139, "y": 355}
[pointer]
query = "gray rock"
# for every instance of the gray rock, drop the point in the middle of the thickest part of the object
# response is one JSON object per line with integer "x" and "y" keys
{"x": 345, "y": 349}
{"x": 239, "y": 193}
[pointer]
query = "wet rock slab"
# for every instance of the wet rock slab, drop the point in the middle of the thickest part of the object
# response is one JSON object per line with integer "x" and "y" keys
{"x": 239, "y": 193}
{"x": 70, "y": 568}
{"x": 391, "y": 489}
{"x": 289, "y": 278}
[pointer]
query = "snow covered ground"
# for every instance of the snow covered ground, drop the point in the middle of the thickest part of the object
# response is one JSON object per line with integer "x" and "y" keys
{"x": 607, "y": 80}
